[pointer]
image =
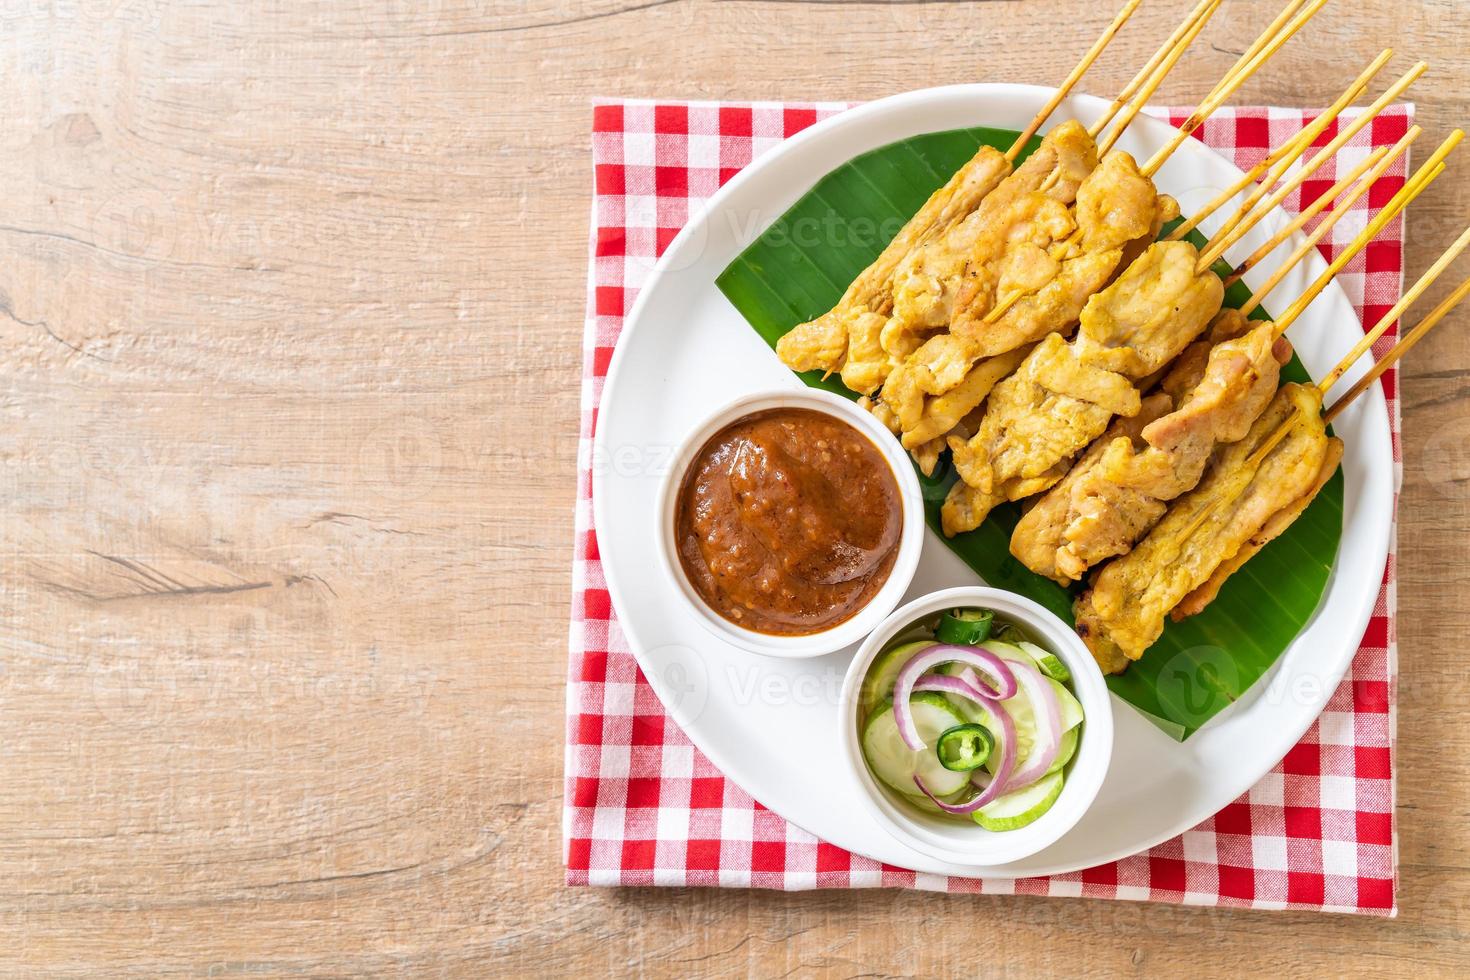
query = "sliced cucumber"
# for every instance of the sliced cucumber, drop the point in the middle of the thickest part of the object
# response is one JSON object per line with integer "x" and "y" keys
{"x": 1024, "y": 718}
{"x": 878, "y": 684}
{"x": 1048, "y": 663}
{"x": 1008, "y": 633}
{"x": 896, "y": 764}
{"x": 1067, "y": 749}
{"x": 1015, "y": 810}
{"x": 1071, "y": 707}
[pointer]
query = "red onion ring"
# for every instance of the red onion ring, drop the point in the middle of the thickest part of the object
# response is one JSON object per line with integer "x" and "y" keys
{"x": 1043, "y": 698}
{"x": 953, "y": 684}
{"x": 926, "y": 659}
{"x": 998, "y": 782}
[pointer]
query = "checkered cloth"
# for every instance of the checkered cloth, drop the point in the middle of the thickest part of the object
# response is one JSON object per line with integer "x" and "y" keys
{"x": 644, "y": 807}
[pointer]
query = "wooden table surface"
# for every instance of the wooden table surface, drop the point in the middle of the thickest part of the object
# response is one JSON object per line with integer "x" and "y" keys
{"x": 292, "y": 301}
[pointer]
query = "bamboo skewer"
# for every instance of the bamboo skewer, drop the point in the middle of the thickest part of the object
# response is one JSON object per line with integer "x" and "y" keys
{"x": 1230, "y": 84}
{"x": 1138, "y": 91}
{"x": 1269, "y": 42}
{"x": 1400, "y": 349}
{"x": 1408, "y": 299}
{"x": 1423, "y": 177}
{"x": 1229, "y": 235}
{"x": 1147, "y": 71}
{"x": 1156, "y": 78}
{"x": 1271, "y": 31}
{"x": 1310, "y": 242}
{"x": 1072, "y": 79}
{"x": 1317, "y": 206}
{"x": 1294, "y": 151}
{"x": 1338, "y": 213}
{"x": 1246, "y": 179}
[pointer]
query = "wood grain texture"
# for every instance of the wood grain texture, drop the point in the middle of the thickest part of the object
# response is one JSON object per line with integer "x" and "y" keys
{"x": 290, "y": 309}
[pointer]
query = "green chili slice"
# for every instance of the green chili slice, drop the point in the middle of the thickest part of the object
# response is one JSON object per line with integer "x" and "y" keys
{"x": 965, "y": 627}
{"x": 964, "y": 747}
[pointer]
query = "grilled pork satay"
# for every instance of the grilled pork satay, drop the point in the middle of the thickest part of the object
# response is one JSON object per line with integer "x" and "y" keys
{"x": 910, "y": 383}
{"x": 1012, "y": 216}
{"x": 1255, "y": 489}
{"x": 1115, "y": 205}
{"x": 1036, "y": 546}
{"x": 1003, "y": 244}
{"x": 930, "y": 280}
{"x": 821, "y": 344}
{"x": 1121, "y": 487}
{"x": 1064, "y": 394}
{"x": 1273, "y": 470}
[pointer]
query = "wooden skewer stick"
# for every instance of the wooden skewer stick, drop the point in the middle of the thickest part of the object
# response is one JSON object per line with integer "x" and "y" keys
{"x": 1293, "y": 151}
{"x": 1228, "y": 235}
{"x": 1416, "y": 185}
{"x": 1230, "y": 84}
{"x": 1147, "y": 71}
{"x": 1246, "y": 179}
{"x": 1287, "y": 12}
{"x": 1156, "y": 77}
{"x": 1343, "y": 208}
{"x": 1400, "y": 349}
{"x": 1264, "y": 48}
{"x": 1326, "y": 198}
{"x": 1417, "y": 290}
{"x": 1392, "y": 210}
{"x": 1072, "y": 79}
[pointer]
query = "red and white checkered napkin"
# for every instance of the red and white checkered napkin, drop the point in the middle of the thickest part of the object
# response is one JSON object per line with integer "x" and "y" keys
{"x": 644, "y": 807}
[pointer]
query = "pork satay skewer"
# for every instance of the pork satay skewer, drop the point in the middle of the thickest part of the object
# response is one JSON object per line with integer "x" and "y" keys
{"x": 1115, "y": 492}
{"x": 1276, "y": 38}
{"x": 1072, "y": 79}
{"x": 929, "y": 375}
{"x": 821, "y": 343}
{"x": 1279, "y": 521}
{"x": 1226, "y": 237}
{"x": 1018, "y": 450}
{"x": 1254, "y": 493}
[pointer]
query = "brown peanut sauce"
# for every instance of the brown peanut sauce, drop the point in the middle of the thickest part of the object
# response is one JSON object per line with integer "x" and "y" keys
{"x": 788, "y": 521}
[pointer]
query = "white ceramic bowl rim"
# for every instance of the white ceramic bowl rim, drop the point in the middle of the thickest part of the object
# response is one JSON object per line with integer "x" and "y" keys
{"x": 949, "y": 839}
{"x": 910, "y": 542}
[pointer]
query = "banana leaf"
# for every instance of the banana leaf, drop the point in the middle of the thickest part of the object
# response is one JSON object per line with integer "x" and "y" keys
{"x": 1199, "y": 666}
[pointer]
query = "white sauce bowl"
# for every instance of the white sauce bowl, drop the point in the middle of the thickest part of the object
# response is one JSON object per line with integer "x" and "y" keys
{"x": 910, "y": 542}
